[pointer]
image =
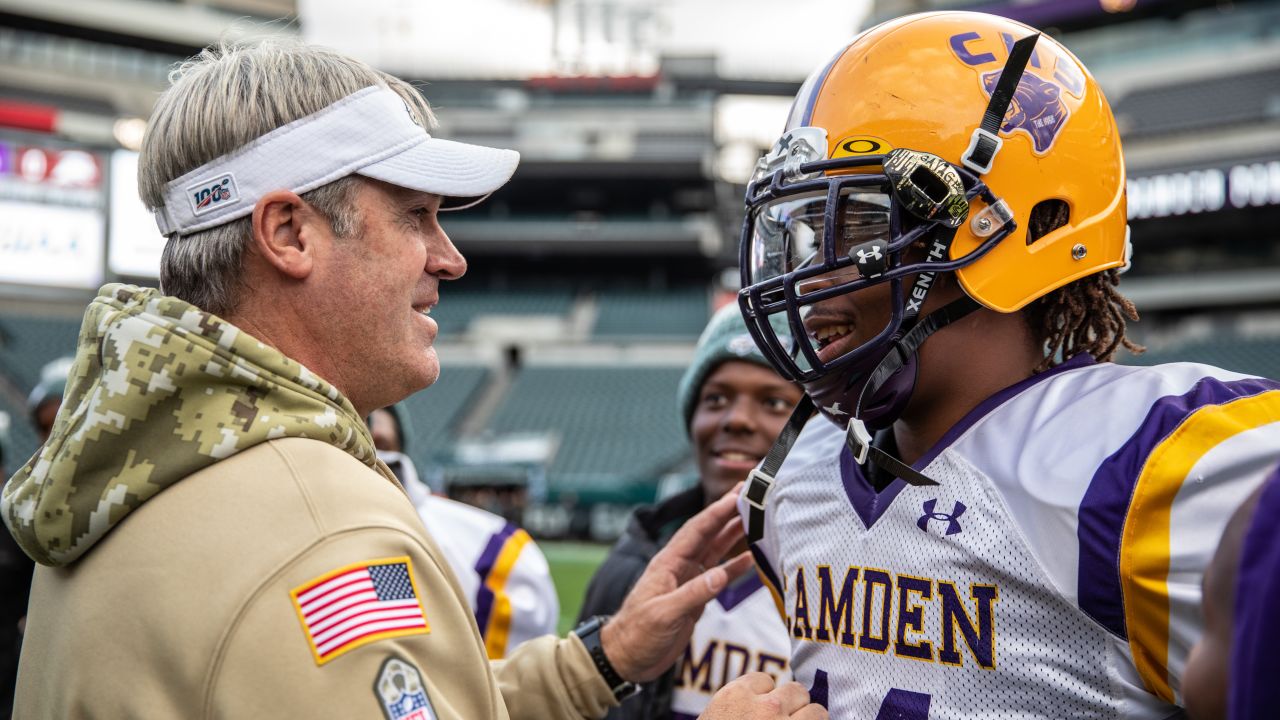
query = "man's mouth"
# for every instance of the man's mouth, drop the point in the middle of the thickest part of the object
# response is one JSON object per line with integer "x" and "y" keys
{"x": 833, "y": 341}
{"x": 737, "y": 456}
{"x": 828, "y": 334}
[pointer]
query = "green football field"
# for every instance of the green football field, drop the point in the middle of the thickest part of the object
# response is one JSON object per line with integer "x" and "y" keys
{"x": 572, "y": 565}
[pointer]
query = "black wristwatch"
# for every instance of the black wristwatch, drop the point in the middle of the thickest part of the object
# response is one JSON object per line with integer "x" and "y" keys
{"x": 589, "y": 633}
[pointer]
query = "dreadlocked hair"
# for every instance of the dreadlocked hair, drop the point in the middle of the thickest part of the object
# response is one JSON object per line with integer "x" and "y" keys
{"x": 1085, "y": 316}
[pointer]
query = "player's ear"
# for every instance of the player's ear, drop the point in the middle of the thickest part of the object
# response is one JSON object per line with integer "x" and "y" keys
{"x": 283, "y": 234}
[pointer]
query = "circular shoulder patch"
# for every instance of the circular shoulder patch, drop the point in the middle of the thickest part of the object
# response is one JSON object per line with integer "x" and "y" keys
{"x": 400, "y": 691}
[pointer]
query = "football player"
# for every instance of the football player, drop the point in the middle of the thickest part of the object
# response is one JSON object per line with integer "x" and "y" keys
{"x": 986, "y": 517}
{"x": 502, "y": 572}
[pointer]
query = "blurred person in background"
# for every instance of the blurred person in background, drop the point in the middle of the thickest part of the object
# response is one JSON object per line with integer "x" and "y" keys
{"x": 733, "y": 404}
{"x": 1232, "y": 670}
{"x": 15, "y": 567}
{"x": 215, "y": 534}
{"x": 390, "y": 429}
{"x": 503, "y": 574}
{"x": 15, "y": 584}
{"x": 46, "y": 396}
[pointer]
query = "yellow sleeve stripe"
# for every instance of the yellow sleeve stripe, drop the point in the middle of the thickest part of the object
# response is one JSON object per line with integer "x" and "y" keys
{"x": 499, "y": 629}
{"x": 1145, "y": 543}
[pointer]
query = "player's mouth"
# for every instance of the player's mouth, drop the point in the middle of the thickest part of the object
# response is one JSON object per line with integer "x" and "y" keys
{"x": 832, "y": 341}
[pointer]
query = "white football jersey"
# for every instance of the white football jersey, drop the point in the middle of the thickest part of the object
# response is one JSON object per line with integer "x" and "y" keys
{"x": 502, "y": 572}
{"x": 1055, "y": 570}
{"x": 739, "y": 632}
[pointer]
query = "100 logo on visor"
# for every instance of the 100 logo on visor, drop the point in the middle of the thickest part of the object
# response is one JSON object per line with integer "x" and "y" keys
{"x": 218, "y": 192}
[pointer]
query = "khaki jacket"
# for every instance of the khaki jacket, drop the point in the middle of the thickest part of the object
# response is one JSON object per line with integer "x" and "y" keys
{"x": 184, "y": 610}
{"x": 217, "y": 539}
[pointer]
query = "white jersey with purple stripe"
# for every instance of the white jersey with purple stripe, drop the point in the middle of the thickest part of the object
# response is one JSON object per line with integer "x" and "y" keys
{"x": 739, "y": 632}
{"x": 502, "y": 572}
{"x": 1055, "y": 570}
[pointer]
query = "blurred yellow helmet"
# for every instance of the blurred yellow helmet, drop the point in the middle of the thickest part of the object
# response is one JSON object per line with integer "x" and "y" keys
{"x": 927, "y": 145}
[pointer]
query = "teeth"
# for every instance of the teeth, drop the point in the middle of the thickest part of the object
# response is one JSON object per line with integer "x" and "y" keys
{"x": 736, "y": 456}
{"x": 832, "y": 331}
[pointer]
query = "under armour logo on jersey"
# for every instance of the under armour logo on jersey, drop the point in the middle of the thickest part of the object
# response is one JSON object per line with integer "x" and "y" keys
{"x": 864, "y": 257}
{"x": 952, "y": 518}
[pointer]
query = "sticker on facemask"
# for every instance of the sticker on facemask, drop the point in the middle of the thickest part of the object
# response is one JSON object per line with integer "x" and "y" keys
{"x": 401, "y": 693}
{"x": 860, "y": 145}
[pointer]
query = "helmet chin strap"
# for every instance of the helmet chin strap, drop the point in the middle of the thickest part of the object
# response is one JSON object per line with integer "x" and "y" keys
{"x": 857, "y": 437}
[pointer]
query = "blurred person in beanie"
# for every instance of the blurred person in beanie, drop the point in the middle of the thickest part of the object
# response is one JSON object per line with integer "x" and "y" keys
{"x": 733, "y": 404}
{"x": 215, "y": 534}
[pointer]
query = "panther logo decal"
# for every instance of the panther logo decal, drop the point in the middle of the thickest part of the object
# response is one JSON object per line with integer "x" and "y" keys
{"x": 1037, "y": 108}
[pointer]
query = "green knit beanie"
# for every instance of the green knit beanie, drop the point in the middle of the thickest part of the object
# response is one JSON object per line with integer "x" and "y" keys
{"x": 725, "y": 338}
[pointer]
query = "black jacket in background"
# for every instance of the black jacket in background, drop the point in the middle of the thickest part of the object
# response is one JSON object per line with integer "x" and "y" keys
{"x": 648, "y": 530}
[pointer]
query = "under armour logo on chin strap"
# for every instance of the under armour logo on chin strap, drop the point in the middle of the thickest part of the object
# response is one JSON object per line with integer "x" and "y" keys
{"x": 864, "y": 256}
{"x": 834, "y": 409}
{"x": 952, "y": 519}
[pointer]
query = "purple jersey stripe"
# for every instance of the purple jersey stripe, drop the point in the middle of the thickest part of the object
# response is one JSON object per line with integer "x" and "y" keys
{"x": 484, "y": 566}
{"x": 1106, "y": 503}
{"x": 1253, "y": 692}
{"x": 870, "y": 505}
{"x": 732, "y": 596}
{"x": 762, "y": 563}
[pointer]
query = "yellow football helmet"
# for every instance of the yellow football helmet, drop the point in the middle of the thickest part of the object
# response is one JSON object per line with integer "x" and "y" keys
{"x": 906, "y": 155}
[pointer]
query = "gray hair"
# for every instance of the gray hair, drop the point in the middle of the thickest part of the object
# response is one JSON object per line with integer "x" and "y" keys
{"x": 219, "y": 101}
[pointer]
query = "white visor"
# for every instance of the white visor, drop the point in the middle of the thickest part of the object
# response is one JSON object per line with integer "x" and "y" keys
{"x": 369, "y": 132}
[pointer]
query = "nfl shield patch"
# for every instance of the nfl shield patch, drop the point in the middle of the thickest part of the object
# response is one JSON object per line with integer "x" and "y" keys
{"x": 401, "y": 693}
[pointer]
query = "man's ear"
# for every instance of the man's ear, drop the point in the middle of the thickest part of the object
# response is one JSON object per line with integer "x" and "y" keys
{"x": 279, "y": 238}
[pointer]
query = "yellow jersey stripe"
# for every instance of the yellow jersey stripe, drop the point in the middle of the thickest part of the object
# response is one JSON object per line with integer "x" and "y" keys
{"x": 1145, "y": 544}
{"x": 499, "y": 629}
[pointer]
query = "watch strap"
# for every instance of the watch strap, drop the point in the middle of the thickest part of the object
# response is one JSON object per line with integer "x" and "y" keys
{"x": 589, "y": 633}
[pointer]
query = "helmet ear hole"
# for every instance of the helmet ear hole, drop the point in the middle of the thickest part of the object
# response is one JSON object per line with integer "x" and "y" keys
{"x": 1047, "y": 216}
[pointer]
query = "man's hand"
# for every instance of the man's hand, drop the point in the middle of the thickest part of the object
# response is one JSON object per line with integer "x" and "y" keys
{"x": 653, "y": 626}
{"x": 754, "y": 697}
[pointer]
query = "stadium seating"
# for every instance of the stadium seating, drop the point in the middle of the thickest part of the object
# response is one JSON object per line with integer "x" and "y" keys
{"x": 1252, "y": 356}
{"x": 651, "y": 313}
{"x": 458, "y": 307}
{"x": 618, "y": 427}
{"x": 435, "y": 412}
{"x": 27, "y": 343}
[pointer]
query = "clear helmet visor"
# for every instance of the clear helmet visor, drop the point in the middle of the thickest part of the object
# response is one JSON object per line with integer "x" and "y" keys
{"x": 789, "y": 234}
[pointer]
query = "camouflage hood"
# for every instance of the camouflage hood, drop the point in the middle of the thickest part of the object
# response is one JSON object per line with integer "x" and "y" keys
{"x": 160, "y": 390}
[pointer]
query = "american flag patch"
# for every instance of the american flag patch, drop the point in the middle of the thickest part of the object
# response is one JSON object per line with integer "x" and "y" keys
{"x": 359, "y": 604}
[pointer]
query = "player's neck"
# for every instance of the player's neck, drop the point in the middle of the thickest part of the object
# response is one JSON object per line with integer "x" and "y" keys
{"x": 961, "y": 366}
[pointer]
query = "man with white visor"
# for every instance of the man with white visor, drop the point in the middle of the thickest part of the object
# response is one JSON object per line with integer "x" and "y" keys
{"x": 216, "y": 537}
